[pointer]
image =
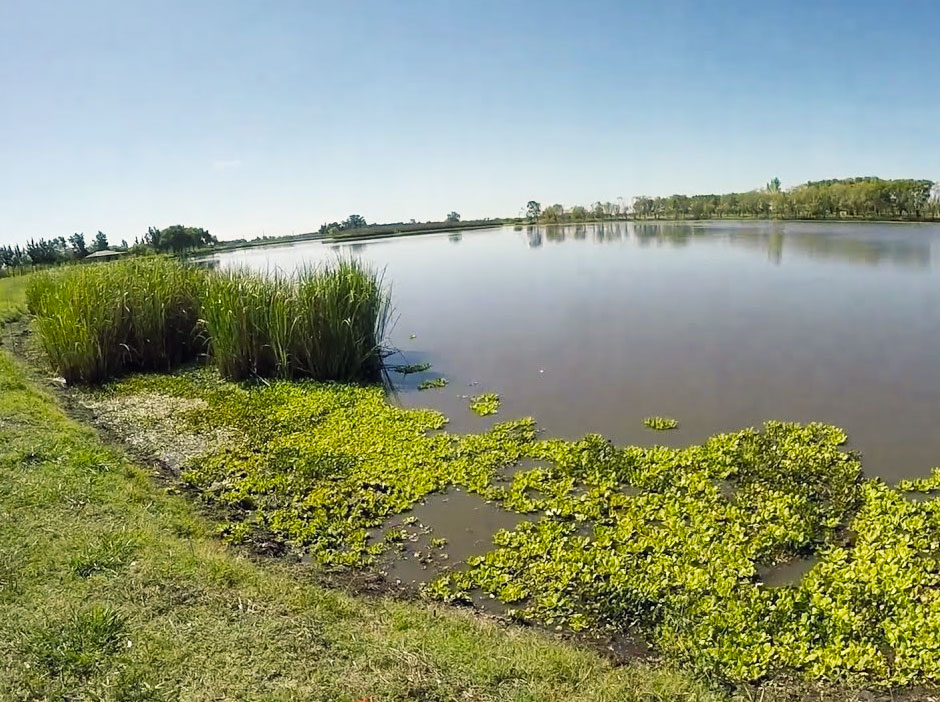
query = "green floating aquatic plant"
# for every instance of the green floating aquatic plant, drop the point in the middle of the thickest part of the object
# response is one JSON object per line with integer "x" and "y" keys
{"x": 409, "y": 368}
{"x": 661, "y": 423}
{"x": 487, "y": 403}
{"x": 929, "y": 484}
{"x": 618, "y": 539}
{"x": 432, "y": 383}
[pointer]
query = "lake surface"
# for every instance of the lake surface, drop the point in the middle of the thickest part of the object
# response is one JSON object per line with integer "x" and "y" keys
{"x": 720, "y": 325}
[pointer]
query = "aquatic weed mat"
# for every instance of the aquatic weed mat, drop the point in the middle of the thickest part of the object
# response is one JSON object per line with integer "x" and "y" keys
{"x": 111, "y": 588}
{"x": 668, "y": 542}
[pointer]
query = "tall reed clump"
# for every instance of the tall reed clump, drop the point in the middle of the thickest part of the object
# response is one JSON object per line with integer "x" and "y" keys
{"x": 328, "y": 323}
{"x": 97, "y": 321}
{"x": 342, "y": 313}
{"x": 244, "y": 315}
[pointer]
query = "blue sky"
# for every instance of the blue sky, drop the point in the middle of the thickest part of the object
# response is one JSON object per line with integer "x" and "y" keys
{"x": 250, "y": 117}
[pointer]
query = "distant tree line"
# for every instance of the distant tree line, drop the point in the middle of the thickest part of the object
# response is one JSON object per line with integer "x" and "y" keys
{"x": 40, "y": 252}
{"x": 57, "y": 250}
{"x": 557, "y": 213}
{"x": 851, "y": 198}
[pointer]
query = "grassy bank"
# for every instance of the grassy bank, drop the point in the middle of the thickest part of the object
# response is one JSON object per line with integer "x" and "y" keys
{"x": 114, "y": 589}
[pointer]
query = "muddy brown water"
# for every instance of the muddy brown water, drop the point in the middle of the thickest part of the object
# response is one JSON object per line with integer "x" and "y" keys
{"x": 786, "y": 573}
{"x": 465, "y": 521}
{"x": 721, "y": 325}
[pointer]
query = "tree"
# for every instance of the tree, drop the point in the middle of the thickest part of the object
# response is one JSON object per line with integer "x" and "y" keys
{"x": 329, "y": 228}
{"x": 152, "y": 238}
{"x": 42, "y": 251}
{"x": 553, "y": 213}
{"x": 79, "y": 250}
{"x": 178, "y": 238}
{"x": 101, "y": 242}
{"x": 773, "y": 186}
{"x": 533, "y": 209}
{"x": 13, "y": 256}
{"x": 354, "y": 221}
{"x": 453, "y": 217}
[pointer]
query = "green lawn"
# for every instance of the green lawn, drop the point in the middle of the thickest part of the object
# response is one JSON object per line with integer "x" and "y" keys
{"x": 113, "y": 588}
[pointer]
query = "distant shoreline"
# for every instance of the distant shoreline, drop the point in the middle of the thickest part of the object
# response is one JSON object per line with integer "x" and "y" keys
{"x": 385, "y": 232}
{"x": 495, "y": 224}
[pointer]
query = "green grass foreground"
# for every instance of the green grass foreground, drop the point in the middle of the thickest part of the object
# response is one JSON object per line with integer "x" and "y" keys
{"x": 114, "y": 589}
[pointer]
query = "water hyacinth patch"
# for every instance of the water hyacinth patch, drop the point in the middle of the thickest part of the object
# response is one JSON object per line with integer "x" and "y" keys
{"x": 661, "y": 423}
{"x": 668, "y": 541}
{"x": 646, "y": 537}
{"x": 485, "y": 404}
{"x": 928, "y": 484}
{"x": 409, "y": 368}
{"x": 321, "y": 463}
{"x": 432, "y": 383}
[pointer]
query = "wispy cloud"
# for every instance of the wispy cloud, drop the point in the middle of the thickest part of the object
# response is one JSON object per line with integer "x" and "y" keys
{"x": 226, "y": 164}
